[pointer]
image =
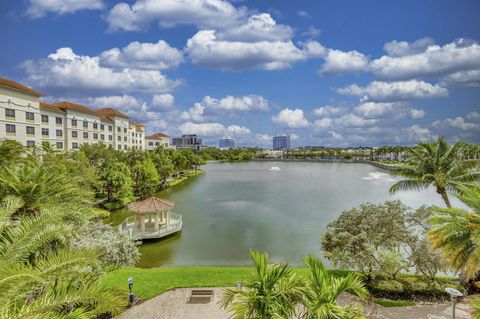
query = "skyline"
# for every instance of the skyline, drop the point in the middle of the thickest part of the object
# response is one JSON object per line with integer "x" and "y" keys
{"x": 327, "y": 73}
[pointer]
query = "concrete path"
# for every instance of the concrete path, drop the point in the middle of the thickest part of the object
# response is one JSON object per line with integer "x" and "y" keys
{"x": 173, "y": 305}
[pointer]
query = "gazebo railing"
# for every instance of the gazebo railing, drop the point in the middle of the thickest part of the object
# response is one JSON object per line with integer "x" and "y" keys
{"x": 131, "y": 228}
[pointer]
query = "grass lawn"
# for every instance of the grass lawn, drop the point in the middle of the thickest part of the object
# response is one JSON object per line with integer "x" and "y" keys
{"x": 187, "y": 176}
{"x": 394, "y": 303}
{"x": 150, "y": 282}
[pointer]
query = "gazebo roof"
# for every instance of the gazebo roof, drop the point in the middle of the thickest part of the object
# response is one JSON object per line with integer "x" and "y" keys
{"x": 151, "y": 205}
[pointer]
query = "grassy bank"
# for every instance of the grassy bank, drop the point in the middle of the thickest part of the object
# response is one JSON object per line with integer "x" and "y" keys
{"x": 185, "y": 177}
{"x": 150, "y": 282}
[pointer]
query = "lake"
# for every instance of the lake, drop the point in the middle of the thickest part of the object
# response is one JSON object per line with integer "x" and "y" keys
{"x": 234, "y": 207}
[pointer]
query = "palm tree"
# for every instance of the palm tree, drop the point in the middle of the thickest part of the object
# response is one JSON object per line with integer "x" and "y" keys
{"x": 439, "y": 165}
{"x": 11, "y": 152}
{"x": 323, "y": 290}
{"x": 457, "y": 232}
{"x": 272, "y": 292}
{"x": 39, "y": 282}
{"x": 42, "y": 186}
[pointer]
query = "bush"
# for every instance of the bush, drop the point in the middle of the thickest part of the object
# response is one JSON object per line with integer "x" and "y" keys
{"x": 115, "y": 249}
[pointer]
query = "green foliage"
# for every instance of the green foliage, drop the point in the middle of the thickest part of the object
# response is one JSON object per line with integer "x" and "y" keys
{"x": 114, "y": 248}
{"x": 394, "y": 303}
{"x": 323, "y": 289}
{"x": 146, "y": 178}
{"x": 234, "y": 154}
{"x": 456, "y": 232}
{"x": 475, "y": 302}
{"x": 273, "y": 291}
{"x": 40, "y": 277}
{"x": 382, "y": 240}
{"x": 439, "y": 165}
{"x": 116, "y": 181}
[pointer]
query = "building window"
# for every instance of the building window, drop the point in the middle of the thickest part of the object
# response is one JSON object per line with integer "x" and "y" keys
{"x": 119, "y": 146}
{"x": 44, "y": 118}
{"x": 30, "y": 130}
{"x": 74, "y": 122}
{"x": 95, "y": 126}
{"x": 59, "y": 133}
{"x": 9, "y": 113}
{"x": 44, "y": 131}
{"x": 140, "y": 135}
{"x": 85, "y": 135}
{"x": 119, "y": 138}
{"x": 150, "y": 143}
{"x": 110, "y": 138}
{"x": 29, "y": 116}
{"x": 95, "y": 136}
{"x": 10, "y": 128}
{"x": 74, "y": 145}
{"x": 125, "y": 138}
{"x": 157, "y": 143}
{"x": 74, "y": 133}
{"x": 59, "y": 144}
{"x": 102, "y": 126}
{"x": 124, "y": 130}
{"x": 124, "y": 147}
{"x": 44, "y": 143}
{"x": 30, "y": 143}
{"x": 119, "y": 129}
{"x": 110, "y": 128}
{"x": 59, "y": 120}
{"x": 85, "y": 124}
{"x": 102, "y": 136}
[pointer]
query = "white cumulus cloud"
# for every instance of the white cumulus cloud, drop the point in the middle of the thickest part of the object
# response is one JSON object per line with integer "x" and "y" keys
{"x": 70, "y": 74}
{"x": 338, "y": 62}
{"x": 147, "y": 56}
{"x": 163, "y": 101}
{"x": 392, "y": 91}
{"x": 291, "y": 118}
{"x": 39, "y": 8}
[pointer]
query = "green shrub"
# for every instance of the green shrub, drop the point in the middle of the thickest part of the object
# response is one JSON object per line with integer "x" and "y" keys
{"x": 394, "y": 303}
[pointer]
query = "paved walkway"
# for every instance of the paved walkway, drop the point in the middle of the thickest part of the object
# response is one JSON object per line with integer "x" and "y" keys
{"x": 172, "y": 305}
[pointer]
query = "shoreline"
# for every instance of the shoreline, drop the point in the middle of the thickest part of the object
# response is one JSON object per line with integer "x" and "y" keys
{"x": 343, "y": 161}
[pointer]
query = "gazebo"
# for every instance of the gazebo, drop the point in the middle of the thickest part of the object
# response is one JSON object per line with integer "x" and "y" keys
{"x": 153, "y": 219}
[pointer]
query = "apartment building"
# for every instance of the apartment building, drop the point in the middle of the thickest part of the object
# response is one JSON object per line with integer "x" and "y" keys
{"x": 65, "y": 125}
{"x": 156, "y": 140}
{"x": 188, "y": 141}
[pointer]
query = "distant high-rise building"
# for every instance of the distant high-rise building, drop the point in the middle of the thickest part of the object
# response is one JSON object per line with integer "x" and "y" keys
{"x": 281, "y": 142}
{"x": 226, "y": 143}
{"x": 188, "y": 141}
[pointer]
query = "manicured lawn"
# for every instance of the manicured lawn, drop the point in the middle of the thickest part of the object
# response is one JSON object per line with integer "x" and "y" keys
{"x": 150, "y": 282}
{"x": 394, "y": 303}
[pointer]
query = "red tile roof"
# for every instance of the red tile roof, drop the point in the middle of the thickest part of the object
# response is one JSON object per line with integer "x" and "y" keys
{"x": 19, "y": 87}
{"x": 50, "y": 107}
{"x": 65, "y": 105}
{"x": 156, "y": 136}
{"x": 106, "y": 119}
{"x": 112, "y": 112}
{"x": 151, "y": 205}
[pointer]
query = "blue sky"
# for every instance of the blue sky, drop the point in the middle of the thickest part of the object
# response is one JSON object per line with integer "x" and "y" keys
{"x": 338, "y": 73}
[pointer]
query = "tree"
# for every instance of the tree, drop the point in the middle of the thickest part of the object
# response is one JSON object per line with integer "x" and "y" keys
{"x": 116, "y": 181}
{"x": 358, "y": 237}
{"x": 456, "y": 231}
{"x": 439, "y": 165}
{"x": 273, "y": 291}
{"x": 320, "y": 297}
{"x": 41, "y": 186}
{"x": 146, "y": 178}
{"x": 11, "y": 152}
{"x": 47, "y": 283}
{"x": 115, "y": 249}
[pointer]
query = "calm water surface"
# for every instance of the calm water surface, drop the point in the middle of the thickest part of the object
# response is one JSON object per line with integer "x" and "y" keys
{"x": 234, "y": 207}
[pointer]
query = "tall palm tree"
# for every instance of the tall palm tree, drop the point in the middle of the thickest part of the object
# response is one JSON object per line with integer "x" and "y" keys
{"x": 457, "y": 232}
{"x": 273, "y": 291}
{"x": 39, "y": 282}
{"x": 323, "y": 290}
{"x": 11, "y": 152}
{"x": 439, "y": 165}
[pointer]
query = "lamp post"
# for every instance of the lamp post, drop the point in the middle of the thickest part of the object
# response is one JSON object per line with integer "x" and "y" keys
{"x": 454, "y": 294}
{"x": 130, "y": 287}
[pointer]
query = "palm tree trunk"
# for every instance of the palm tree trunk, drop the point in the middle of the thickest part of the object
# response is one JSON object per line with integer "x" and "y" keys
{"x": 444, "y": 195}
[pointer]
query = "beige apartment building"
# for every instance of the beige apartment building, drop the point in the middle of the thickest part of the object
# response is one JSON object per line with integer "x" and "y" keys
{"x": 65, "y": 125}
{"x": 155, "y": 140}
